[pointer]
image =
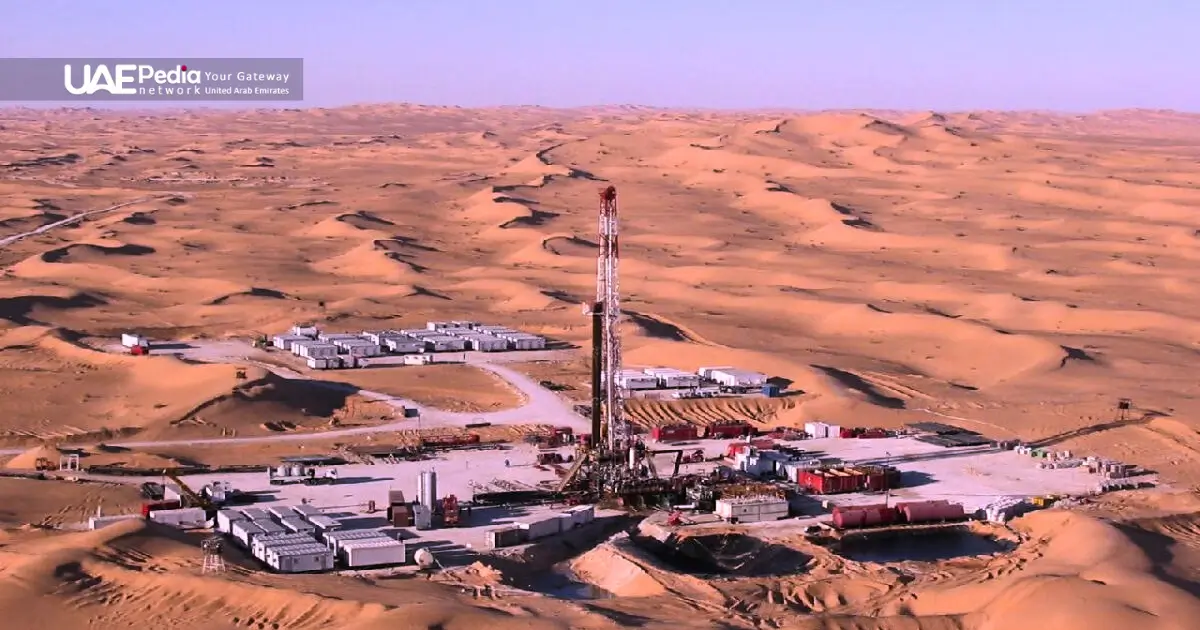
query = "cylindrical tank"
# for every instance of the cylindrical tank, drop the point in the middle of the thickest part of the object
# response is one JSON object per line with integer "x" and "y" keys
{"x": 282, "y": 471}
{"x": 933, "y": 512}
{"x": 427, "y": 488}
{"x": 845, "y": 519}
{"x": 424, "y": 558}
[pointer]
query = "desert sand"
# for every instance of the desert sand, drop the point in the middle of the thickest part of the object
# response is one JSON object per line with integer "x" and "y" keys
{"x": 1015, "y": 272}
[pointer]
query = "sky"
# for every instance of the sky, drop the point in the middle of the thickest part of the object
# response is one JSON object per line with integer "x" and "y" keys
{"x": 1069, "y": 55}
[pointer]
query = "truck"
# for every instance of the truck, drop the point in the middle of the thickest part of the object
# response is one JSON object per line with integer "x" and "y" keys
{"x": 307, "y": 475}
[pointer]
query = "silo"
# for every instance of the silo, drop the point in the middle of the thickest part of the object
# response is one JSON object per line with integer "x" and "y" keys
{"x": 427, "y": 488}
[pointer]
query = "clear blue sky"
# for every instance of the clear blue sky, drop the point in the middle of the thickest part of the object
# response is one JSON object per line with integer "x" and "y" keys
{"x": 803, "y": 54}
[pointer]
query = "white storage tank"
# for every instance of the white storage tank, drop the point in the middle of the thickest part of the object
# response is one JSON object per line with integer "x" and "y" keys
{"x": 541, "y": 528}
{"x": 301, "y": 558}
{"x": 373, "y": 552}
{"x": 427, "y": 488}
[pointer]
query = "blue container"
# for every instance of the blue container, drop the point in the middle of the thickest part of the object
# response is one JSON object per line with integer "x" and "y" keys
{"x": 770, "y": 391}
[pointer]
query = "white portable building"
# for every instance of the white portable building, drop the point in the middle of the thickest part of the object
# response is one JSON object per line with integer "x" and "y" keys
{"x": 706, "y": 372}
{"x": 541, "y": 528}
{"x": 269, "y": 527}
{"x": 672, "y": 378}
{"x": 734, "y": 377}
{"x": 183, "y": 518}
{"x": 284, "y": 342}
{"x": 297, "y": 524}
{"x": 752, "y": 509}
{"x": 328, "y": 337}
{"x": 130, "y": 340}
{"x": 300, "y": 558}
{"x": 816, "y": 430}
{"x": 444, "y": 343}
{"x": 485, "y": 343}
{"x": 318, "y": 350}
{"x": 305, "y": 510}
{"x": 582, "y": 514}
{"x": 404, "y": 345}
{"x": 420, "y": 333}
{"x": 370, "y": 552}
{"x": 335, "y": 538}
{"x": 260, "y": 544}
{"x": 244, "y": 531}
{"x": 633, "y": 379}
{"x": 324, "y": 523}
{"x": 439, "y": 325}
{"x": 99, "y": 522}
{"x": 226, "y": 518}
{"x": 281, "y": 511}
{"x": 255, "y": 514}
{"x": 305, "y": 331}
{"x": 321, "y": 364}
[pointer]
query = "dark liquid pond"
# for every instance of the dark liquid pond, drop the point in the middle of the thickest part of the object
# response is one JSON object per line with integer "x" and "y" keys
{"x": 920, "y": 548}
{"x": 563, "y": 585}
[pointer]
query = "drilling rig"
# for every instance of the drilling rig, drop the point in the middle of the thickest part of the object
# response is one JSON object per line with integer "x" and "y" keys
{"x": 612, "y": 464}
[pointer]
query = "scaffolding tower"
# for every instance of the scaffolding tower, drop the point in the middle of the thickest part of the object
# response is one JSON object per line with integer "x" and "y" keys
{"x": 214, "y": 562}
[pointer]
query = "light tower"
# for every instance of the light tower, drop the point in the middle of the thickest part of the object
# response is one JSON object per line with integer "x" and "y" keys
{"x": 608, "y": 305}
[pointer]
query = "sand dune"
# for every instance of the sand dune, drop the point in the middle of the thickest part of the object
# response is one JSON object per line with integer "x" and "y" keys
{"x": 1019, "y": 271}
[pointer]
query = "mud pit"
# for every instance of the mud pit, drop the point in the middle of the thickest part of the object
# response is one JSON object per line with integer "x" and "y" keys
{"x": 933, "y": 546}
{"x": 730, "y": 554}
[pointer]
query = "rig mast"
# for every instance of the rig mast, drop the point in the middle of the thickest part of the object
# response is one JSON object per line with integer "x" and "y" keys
{"x": 608, "y": 308}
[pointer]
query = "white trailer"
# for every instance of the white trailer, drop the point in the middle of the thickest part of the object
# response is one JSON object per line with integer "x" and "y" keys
{"x": 268, "y": 527}
{"x": 99, "y": 522}
{"x": 734, "y": 377}
{"x": 300, "y": 558}
{"x": 582, "y": 514}
{"x": 130, "y": 340}
{"x": 298, "y": 525}
{"x": 255, "y": 514}
{"x": 318, "y": 350}
{"x": 336, "y": 538}
{"x": 260, "y": 544}
{"x": 305, "y": 331}
{"x": 706, "y": 372}
{"x": 541, "y": 528}
{"x": 324, "y": 523}
{"x": 485, "y": 343}
{"x": 404, "y": 345}
{"x": 633, "y": 379}
{"x": 752, "y": 509}
{"x": 444, "y": 344}
{"x": 319, "y": 364}
{"x": 672, "y": 378}
{"x": 370, "y": 552}
{"x": 243, "y": 531}
{"x": 305, "y": 510}
{"x": 226, "y": 519}
{"x": 183, "y": 518}
{"x": 284, "y": 342}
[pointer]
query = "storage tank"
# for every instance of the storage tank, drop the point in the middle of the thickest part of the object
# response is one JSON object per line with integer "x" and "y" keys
{"x": 427, "y": 488}
{"x": 848, "y": 518}
{"x": 933, "y": 512}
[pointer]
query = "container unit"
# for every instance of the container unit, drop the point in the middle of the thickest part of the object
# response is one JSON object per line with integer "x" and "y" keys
{"x": 675, "y": 433}
{"x": 269, "y": 527}
{"x": 332, "y": 337}
{"x": 260, "y": 544}
{"x": 752, "y": 509}
{"x": 633, "y": 379}
{"x": 524, "y": 341}
{"x": 243, "y": 531}
{"x": 373, "y": 553}
{"x": 566, "y": 521}
{"x": 734, "y": 377}
{"x": 130, "y": 340}
{"x": 172, "y": 492}
{"x": 438, "y": 326}
{"x": 226, "y": 518}
{"x": 298, "y": 525}
{"x": 455, "y": 331}
{"x": 422, "y": 517}
{"x": 284, "y": 342}
{"x": 463, "y": 323}
{"x": 324, "y": 523}
{"x": 706, "y": 372}
{"x": 495, "y": 330}
{"x": 582, "y": 514}
{"x": 728, "y": 431}
{"x": 541, "y": 528}
{"x": 299, "y": 346}
{"x": 833, "y": 430}
{"x": 485, "y": 343}
{"x": 672, "y": 378}
{"x": 255, "y": 514}
{"x": 306, "y": 511}
{"x": 335, "y": 539}
{"x": 100, "y": 522}
{"x": 322, "y": 364}
{"x": 183, "y": 518}
{"x": 419, "y": 333}
{"x": 444, "y": 343}
{"x": 301, "y": 558}
{"x": 404, "y": 345}
{"x": 359, "y": 347}
{"x": 316, "y": 350}
{"x": 418, "y": 359}
{"x": 377, "y": 336}
{"x": 816, "y": 430}
{"x": 305, "y": 331}
{"x": 281, "y": 511}
{"x": 500, "y": 537}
